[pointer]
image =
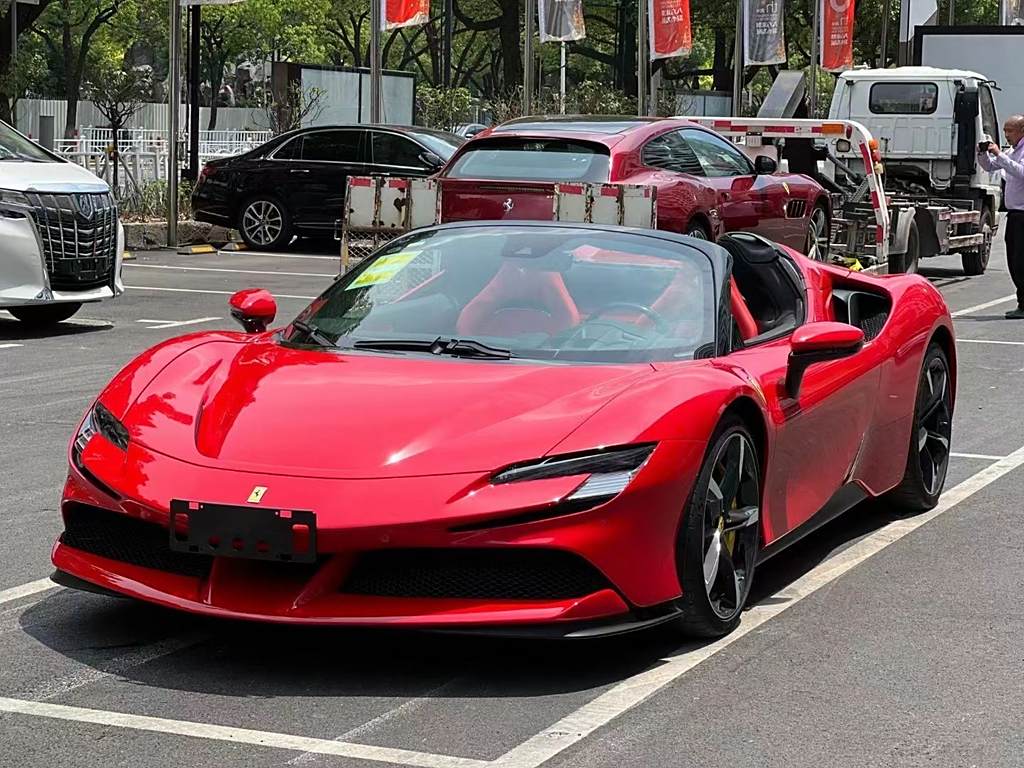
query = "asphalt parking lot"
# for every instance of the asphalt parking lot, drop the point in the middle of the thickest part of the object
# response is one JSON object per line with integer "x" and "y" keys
{"x": 877, "y": 641}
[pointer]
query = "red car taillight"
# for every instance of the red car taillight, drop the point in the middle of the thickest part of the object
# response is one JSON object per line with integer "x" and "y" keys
{"x": 207, "y": 172}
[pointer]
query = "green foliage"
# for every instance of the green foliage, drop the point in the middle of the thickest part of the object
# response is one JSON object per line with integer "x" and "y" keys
{"x": 595, "y": 98}
{"x": 440, "y": 107}
{"x": 149, "y": 203}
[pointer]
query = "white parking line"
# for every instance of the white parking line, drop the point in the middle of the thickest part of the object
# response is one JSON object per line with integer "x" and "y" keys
{"x": 981, "y": 456}
{"x": 237, "y": 735}
{"x": 233, "y": 271}
{"x": 10, "y": 346}
{"x": 176, "y": 323}
{"x": 25, "y": 590}
{"x": 990, "y": 341}
{"x": 984, "y": 305}
{"x": 634, "y": 690}
{"x": 207, "y": 291}
{"x": 279, "y": 255}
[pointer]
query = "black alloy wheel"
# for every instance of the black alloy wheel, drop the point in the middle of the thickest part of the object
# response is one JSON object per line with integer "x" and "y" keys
{"x": 264, "y": 225}
{"x": 721, "y": 534}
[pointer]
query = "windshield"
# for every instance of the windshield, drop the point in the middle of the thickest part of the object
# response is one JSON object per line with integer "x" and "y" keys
{"x": 538, "y": 293}
{"x": 441, "y": 144}
{"x": 532, "y": 160}
{"x": 14, "y": 146}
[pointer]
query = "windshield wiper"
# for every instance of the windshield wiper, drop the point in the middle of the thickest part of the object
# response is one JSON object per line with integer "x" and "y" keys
{"x": 313, "y": 333}
{"x": 439, "y": 346}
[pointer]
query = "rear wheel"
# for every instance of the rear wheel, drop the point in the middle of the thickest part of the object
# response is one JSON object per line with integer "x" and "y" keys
{"x": 264, "y": 225}
{"x": 47, "y": 314}
{"x": 720, "y": 534}
{"x": 928, "y": 457}
{"x": 975, "y": 261}
{"x": 697, "y": 230}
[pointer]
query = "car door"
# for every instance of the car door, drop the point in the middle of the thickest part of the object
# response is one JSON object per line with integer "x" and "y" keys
{"x": 679, "y": 177}
{"x": 743, "y": 196}
{"x": 329, "y": 157}
{"x": 820, "y": 433}
{"x": 393, "y": 154}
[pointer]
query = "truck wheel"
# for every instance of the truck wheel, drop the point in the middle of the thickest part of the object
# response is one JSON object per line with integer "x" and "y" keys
{"x": 47, "y": 314}
{"x": 975, "y": 261}
{"x": 906, "y": 263}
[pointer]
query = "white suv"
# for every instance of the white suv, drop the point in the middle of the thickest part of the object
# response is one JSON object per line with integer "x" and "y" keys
{"x": 61, "y": 242}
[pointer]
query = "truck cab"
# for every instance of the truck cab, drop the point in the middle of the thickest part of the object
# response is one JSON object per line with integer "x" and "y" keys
{"x": 928, "y": 123}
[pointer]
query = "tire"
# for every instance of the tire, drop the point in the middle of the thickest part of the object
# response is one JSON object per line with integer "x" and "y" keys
{"x": 817, "y": 244}
{"x": 713, "y": 597}
{"x": 928, "y": 456}
{"x": 264, "y": 224}
{"x": 697, "y": 231}
{"x": 45, "y": 315}
{"x": 975, "y": 261}
{"x": 907, "y": 263}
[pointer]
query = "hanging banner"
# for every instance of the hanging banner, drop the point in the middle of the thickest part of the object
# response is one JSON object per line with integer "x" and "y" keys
{"x": 1012, "y": 12}
{"x": 560, "y": 20}
{"x": 669, "y": 28}
{"x": 403, "y": 13}
{"x": 837, "y": 35}
{"x": 765, "y": 41}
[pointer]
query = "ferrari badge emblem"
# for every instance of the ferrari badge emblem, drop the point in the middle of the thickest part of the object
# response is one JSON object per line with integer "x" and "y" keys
{"x": 508, "y": 205}
{"x": 785, "y": 186}
{"x": 257, "y": 494}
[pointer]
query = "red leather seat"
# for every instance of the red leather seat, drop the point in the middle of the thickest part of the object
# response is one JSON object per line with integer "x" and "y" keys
{"x": 741, "y": 313}
{"x": 519, "y": 300}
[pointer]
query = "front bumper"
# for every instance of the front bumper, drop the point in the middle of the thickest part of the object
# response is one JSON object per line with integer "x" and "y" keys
{"x": 623, "y": 551}
{"x": 24, "y": 280}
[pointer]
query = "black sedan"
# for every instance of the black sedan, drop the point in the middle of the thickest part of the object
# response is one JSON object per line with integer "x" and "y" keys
{"x": 295, "y": 183}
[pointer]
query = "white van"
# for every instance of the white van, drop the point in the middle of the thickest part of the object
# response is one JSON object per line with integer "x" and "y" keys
{"x": 61, "y": 241}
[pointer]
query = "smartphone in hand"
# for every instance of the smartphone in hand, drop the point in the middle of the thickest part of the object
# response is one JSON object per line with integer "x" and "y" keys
{"x": 983, "y": 145}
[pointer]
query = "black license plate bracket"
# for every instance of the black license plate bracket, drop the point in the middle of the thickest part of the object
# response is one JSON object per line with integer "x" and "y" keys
{"x": 255, "y": 533}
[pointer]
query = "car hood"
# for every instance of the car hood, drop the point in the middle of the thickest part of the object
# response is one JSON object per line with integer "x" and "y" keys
{"x": 261, "y": 406}
{"x": 49, "y": 177}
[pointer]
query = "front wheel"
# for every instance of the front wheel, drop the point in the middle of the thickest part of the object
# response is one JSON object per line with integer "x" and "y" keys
{"x": 928, "y": 457}
{"x": 975, "y": 261}
{"x": 45, "y": 315}
{"x": 720, "y": 534}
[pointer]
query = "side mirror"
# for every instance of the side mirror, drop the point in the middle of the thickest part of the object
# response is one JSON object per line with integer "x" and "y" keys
{"x": 431, "y": 160}
{"x": 843, "y": 146}
{"x": 764, "y": 165}
{"x": 819, "y": 343}
{"x": 254, "y": 309}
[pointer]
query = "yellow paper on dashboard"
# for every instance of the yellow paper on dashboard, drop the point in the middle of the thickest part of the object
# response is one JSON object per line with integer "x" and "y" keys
{"x": 384, "y": 269}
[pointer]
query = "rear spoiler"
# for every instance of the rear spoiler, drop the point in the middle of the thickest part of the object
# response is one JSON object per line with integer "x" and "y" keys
{"x": 380, "y": 208}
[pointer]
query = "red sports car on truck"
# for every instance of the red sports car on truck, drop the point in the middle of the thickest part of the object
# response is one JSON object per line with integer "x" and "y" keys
{"x": 512, "y": 426}
{"x": 706, "y": 185}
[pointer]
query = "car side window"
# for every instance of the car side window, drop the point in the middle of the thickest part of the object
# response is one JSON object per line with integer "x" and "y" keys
{"x": 392, "y": 149}
{"x": 333, "y": 146}
{"x": 670, "y": 152}
{"x": 290, "y": 150}
{"x": 716, "y": 155}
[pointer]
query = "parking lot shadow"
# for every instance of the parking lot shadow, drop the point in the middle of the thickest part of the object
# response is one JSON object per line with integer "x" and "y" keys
{"x": 15, "y": 330}
{"x": 239, "y": 659}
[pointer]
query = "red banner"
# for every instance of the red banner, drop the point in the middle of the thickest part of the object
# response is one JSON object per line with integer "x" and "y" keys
{"x": 669, "y": 28}
{"x": 837, "y": 35}
{"x": 404, "y": 13}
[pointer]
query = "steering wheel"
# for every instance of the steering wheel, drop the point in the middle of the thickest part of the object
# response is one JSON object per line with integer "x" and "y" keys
{"x": 659, "y": 322}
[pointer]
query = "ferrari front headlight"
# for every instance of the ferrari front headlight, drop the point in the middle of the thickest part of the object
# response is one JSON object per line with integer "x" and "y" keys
{"x": 610, "y": 470}
{"x": 101, "y": 421}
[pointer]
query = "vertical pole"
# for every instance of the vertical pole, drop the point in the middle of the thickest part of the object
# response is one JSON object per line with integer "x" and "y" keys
{"x": 561, "y": 79}
{"x": 886, "y": 17}
{"x": 643, "y": 58}
{"x": 13, "y": 13}
{"x": 737, "y": 68}
{"x": 375, "y": 63}
{"x": 448, "y": 21}
{"x": 528, "y": 63}
{"x": 173, "y": 103}
{"x": 195, "y": 18}
{"x": 952, "y": 12}
{"x": 812, "y": 89}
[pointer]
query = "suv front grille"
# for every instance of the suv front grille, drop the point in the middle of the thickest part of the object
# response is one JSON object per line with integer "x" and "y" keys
{"x": 78, "y": 234}
{"x": 497, "y": 574}
{"x": 117, "y": 536}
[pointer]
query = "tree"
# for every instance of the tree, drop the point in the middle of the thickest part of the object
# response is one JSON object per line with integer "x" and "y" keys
{"x": 118, "y": 95}
{"x": 296, "y": 108}
{"x": 11, "y": 80}
{"x": 68, "y": 29}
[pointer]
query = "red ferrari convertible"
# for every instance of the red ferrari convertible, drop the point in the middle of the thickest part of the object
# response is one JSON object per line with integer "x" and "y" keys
{"x": 514, "y": 427}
